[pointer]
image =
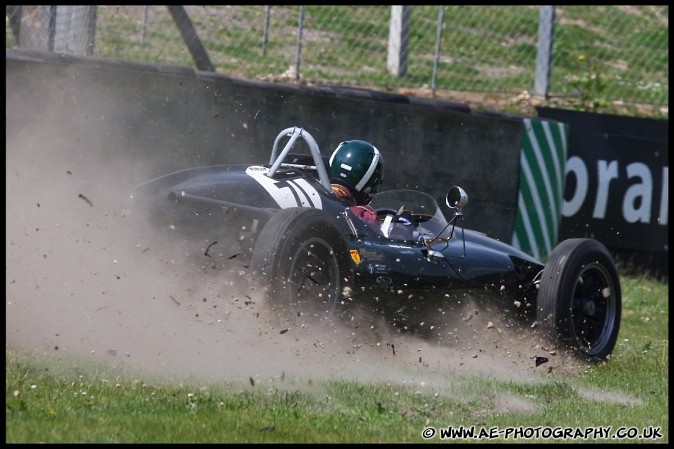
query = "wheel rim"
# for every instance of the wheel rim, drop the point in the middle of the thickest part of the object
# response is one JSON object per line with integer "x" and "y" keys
{"x": 593, "y": 308}
{"x": 314, "y": 277}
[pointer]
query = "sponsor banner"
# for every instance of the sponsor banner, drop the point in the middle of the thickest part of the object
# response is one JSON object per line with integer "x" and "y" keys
{"x": 616, "y": 180}
{"x": 539, "y": 203}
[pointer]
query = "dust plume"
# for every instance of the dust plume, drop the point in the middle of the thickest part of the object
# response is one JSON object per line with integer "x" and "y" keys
{"x": 85, "y": 278}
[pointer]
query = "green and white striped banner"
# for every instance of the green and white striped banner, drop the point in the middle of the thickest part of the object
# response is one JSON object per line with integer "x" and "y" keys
{"x": 542, "y": 174}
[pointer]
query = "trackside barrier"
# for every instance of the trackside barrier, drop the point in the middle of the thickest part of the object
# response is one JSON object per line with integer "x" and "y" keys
{"x": 539, "y": 203}
{"x": 617, "y": 185}
{"x": 150, "y": 119}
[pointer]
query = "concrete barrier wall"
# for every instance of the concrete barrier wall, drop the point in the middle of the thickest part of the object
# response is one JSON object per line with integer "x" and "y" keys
{"x": 166, "y": 118}
{"x": 144, "y": 120}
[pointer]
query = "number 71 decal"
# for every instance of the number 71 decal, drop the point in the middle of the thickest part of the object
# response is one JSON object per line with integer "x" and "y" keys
{"x": 287, "y": 192}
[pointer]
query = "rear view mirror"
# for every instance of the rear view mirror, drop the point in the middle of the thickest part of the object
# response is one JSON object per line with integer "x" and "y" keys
{"x": 456, "y": 198}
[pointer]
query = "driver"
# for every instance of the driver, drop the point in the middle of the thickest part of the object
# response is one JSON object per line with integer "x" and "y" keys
{"x": 356, "y": 171}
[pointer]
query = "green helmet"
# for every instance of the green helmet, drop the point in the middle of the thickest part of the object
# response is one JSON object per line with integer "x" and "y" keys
{"x": 359, "y": 166}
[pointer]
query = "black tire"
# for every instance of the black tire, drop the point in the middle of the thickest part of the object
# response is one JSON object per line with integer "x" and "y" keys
{"x": 579, "y": 299}
{"x": 300, "y": 256}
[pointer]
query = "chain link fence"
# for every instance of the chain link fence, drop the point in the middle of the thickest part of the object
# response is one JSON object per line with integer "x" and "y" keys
{"x": 593, "y": 56}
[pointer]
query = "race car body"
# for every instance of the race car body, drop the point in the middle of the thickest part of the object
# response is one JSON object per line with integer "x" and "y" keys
{"x": 315, "y": 256}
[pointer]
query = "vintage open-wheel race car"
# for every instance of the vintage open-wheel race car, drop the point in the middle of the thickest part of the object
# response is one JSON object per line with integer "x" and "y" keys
{"x": 316, "y": 258}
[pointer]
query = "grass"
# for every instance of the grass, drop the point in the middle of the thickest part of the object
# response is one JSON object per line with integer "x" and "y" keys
{"x": 606, "y": 58}
{"x": 76, "y": 401}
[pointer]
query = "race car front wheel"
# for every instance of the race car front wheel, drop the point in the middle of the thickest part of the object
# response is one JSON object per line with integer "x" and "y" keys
{"x": 301, "y": 257}
{"x": 579, "y": 300}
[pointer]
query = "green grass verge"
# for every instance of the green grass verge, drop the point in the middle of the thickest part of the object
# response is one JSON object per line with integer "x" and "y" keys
{"x": 606, "y": 58}
{"x": 70, "y": 401}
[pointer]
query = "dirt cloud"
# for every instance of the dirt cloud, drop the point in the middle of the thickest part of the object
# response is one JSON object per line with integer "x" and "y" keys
{"x": 85, "y": 279}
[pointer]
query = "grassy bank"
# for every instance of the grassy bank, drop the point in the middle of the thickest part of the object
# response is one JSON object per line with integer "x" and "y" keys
{"x": 74, "y": 401}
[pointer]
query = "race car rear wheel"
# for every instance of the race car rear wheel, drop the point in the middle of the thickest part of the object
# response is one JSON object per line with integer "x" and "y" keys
{"x": 579, "y": 300}
{"x": 301, "y": 257}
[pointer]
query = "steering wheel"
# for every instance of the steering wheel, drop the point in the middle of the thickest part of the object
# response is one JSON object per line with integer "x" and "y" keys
{"x": 384, "y": 211}
{"x": 408, "y": 219}
{"x": 405, "y": 219}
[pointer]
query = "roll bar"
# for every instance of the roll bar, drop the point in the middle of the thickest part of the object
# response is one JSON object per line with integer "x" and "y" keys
{"x": 295, "y": 133}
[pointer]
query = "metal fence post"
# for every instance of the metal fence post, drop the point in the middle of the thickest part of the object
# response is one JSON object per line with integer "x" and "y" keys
{"x": 143, "y": 30}
{"x": 265, "y": 38}
{"x": 37, "y": 27}
{"x": 438, "y": 38}
{"x": 546, "y": 34}
{"x": 189, "y": 35}
{"x": 75, "y": 29}
{"x": 298, "y": 54}
{"x": 398, "y": 40}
